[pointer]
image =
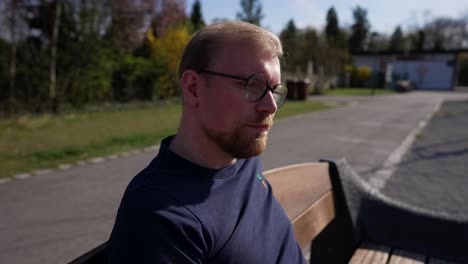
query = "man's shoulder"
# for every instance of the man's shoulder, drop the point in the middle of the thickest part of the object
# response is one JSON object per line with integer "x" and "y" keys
{"x": 155, "y": 189}
{"x": 158, "y": 189}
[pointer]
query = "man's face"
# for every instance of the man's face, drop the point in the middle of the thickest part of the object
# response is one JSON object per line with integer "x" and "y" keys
{"x": 235, "y": 124}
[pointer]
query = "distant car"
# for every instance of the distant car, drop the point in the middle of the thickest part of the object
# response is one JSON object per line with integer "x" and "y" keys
{"x": 403, "y": 86}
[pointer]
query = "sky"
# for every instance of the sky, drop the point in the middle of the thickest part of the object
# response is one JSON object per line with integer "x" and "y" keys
{"x": 383, "y": 15}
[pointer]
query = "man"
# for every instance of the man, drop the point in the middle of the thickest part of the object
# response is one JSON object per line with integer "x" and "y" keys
{"x": 203, "y": 198}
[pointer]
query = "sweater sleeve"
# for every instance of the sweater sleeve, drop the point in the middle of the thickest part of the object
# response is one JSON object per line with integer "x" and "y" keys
{"x": 151, "y": 227}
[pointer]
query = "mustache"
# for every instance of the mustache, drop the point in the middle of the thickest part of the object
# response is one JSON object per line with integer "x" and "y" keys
{"x": 264, "y": 121}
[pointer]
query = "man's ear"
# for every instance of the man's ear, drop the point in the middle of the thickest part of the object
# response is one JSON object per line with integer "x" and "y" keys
{"x": 190, "y": 83}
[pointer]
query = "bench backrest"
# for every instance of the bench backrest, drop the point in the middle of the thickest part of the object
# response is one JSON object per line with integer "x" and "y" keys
{"x": 305, "y": 192}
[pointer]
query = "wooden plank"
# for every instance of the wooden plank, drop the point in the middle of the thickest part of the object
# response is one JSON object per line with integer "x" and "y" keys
{"x": 405, "y": 257}
{"x": 369, "y": 253}
{"x": 305, "y": 193}
{"x": 314, "y": 219}
{"x": 306, "y": 251}
{"x": 298, "y": 186}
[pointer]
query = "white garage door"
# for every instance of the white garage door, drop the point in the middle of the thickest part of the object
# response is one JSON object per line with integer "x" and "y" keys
{"x": 426, "y": 75}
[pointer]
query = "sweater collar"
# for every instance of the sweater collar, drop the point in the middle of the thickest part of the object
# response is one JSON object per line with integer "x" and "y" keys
{"x": 169, "y": 161}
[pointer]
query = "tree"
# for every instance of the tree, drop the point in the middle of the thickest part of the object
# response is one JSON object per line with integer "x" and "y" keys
{"x": 168, "y": 14}
{"x": 251, "y": 11}
{"x": 336, "y": 38}
{"x": 446, "y": 34}
{"x": 67, "y": 51}
{"x": 289, "y": 39}
{"x": 332, "y": 28}
{"x": 310, "y": 49}
{"x": 359, "y": 30}
{"x": 14, "y": 11}
{"x": 196, "y": 16}
{"x": 416, "y": 40}
{"x": 378, "y": 42}
{"x": 397, "y": 40}
{"x": 53, "y": 60}
{"x": 12, "y": 25}
{"x": 442, "y": 33}
{"x": 83, "y": 58}
{"x": 373, "y": 41}
{"x": 128, "y": 20}
{"x": 305, "y": 46}
{"x": 289, "y": 34}
{"x": 168, "y": 49}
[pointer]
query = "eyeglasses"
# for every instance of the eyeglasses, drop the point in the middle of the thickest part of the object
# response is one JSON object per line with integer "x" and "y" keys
{"x": 256, "y": 86}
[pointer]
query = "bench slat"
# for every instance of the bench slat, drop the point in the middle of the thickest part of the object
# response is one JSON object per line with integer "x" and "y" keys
{"x": 314, "y": 219}
{"x": 305, "y": 193}
{"x": 296, "y": 187}
{"x": 371, "y": 254}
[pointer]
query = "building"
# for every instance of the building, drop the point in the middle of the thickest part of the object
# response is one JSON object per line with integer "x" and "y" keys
{"x": 427, "y": 70}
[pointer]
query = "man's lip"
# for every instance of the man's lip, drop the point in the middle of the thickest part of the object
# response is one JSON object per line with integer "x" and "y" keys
{"x": 260, "y": 126}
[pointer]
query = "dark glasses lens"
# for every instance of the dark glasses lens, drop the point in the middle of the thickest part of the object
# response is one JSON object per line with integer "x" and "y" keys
{"x": 257, "y": 87}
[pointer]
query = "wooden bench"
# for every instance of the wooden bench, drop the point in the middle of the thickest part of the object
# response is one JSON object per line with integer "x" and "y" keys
{"x": 319, "y": 203}
{"x": 313, "y": 199}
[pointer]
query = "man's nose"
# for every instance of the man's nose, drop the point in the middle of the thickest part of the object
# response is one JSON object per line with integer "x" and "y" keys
{"x": 267, "y": 104}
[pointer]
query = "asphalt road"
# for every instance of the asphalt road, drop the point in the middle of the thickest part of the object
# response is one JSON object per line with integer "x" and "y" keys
{"x": 433, "y": 174}
{"x": 54, "y": 217}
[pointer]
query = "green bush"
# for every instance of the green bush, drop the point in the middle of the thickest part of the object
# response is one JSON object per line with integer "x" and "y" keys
{"x": 92, "y": 83}
{"x": 135, "y": 78}
{"x": 360, "y": 76}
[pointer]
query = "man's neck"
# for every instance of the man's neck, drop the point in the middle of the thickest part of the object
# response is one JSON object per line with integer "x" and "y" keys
{"x": 200, "y": 150}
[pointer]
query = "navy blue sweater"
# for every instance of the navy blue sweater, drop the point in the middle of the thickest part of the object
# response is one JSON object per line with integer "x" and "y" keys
{"x": 175, "y": 211}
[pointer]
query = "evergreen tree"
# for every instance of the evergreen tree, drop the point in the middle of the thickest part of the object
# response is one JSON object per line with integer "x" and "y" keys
{"x": 397, "y": 40}
{"x": 289, "y": 39}
{"x": 332, "y": 29}
{"x": 290, "y": 31}
{"x": 416, "y": 40}
{"x": 196, "y": 16}
{"x": 251, "y": 11}
{"x": 359, "y": 30}
{"x": 373, "y": 41}
{"x": 336, "y": 38}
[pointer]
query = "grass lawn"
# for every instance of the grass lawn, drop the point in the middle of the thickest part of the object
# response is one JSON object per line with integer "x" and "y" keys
{"x": 358, "y": 91}
{"x": 30, "y": 143}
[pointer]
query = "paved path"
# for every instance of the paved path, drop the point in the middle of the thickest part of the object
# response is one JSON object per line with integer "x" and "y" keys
{"x": 433, "y": 174}
{"x": 54, "y": 217}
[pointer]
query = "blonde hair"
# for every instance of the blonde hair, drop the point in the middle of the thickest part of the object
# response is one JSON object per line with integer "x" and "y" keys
{"x": 204, "y": 46}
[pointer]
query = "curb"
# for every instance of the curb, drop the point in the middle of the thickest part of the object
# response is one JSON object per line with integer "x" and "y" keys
{"x": 66, "y": 166}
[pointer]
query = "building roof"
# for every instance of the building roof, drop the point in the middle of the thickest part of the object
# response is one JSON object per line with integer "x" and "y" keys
{"x": 410, "y": 52}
